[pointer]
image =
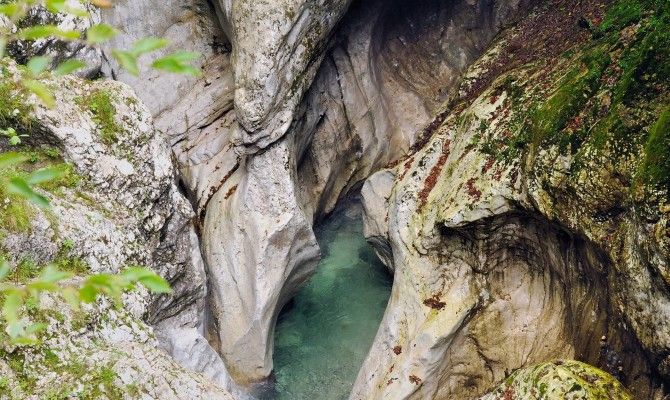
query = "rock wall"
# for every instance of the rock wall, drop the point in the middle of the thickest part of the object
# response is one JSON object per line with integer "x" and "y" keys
{"x": 117, "y": 206}
{"x": 515, "y": 233}
{"x": 516, "y": 230}
{"x": 273, "y": 137}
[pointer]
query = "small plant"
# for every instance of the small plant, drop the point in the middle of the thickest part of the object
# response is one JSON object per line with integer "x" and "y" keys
{"x": 101, "y": 105}
{"x": 18, "y": 297}
{"x": 14, "y": 138}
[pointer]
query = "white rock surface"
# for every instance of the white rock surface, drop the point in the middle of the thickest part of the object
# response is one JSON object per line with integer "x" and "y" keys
{"x": 125, "y": 210}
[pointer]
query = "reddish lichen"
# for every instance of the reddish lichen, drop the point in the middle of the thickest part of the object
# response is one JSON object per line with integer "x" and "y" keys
{"x": 508, "y": 394}
{"x": 434, "y": 302}
{"x": 230, "y": 192}
{"x": 473, "y": 192}
{"x": 431, "y": 180}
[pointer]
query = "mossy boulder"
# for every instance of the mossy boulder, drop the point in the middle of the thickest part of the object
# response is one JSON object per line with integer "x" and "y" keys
{"x": 561, "y": 379}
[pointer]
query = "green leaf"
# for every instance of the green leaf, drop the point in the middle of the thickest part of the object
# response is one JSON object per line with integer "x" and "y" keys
{"x": 20, "y": 187}
{"x": 71, "y": 296}
{"x": 16, "y": 329}
{"x": 10, "y": 159}
{"x": 127, "y": 60}
{"x": 156, "y": 284}
{"x": 100, "y": 33}
{"x": 88, "y": 293}
{"x": 51, "y": 274}
{"x": 10, "y": 308}
{"x": 14, "y": 140}
{"x": 5, "y": 268}
{"x": 41, "y": 91}
{"x": 21, "y": 340}
{"x": 134, "y": 274}
{"x": 35, "y": 328}
{"x": 37, "y": 65}
{"x": 45, "y": 175}
{"x": 147, "y": 45}
{"x": 56, "y": 6}
{"x": 43, "y": 31}
{"x": 13, "y": 11}
{"x": 37, "y": 286}
{"x": 69, "y": 67}
{"x": 178, "y": 62}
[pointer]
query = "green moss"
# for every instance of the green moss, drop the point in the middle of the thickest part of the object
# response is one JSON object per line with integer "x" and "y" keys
{"x": 621, "y": 14}
{"x": 15, "y": 211}
{"x": 555, "y": 380}
{"x": 28, "y": 269}
{"x": 573, "y": 91}
{"x": 101, "y": 104}
{"x": 16, "y": 362}
{"x": 15, "y": 112}
{"x": 655, "y": 169}
{"x": 25, "y": 270}
{"x": 66, "y": 262}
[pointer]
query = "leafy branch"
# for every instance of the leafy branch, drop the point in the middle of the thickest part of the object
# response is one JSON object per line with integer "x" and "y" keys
{"x": 74, "y": 290}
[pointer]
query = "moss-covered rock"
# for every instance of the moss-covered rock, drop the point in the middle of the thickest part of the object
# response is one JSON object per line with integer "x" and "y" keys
{"x": 561, "y": 379}
{"x": 115, "y": 205}
{"x": 537, "y": 210}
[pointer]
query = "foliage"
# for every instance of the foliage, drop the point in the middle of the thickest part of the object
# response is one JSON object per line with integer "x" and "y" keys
{"x": 17, "y": 296}
{"x": 24, "y": 176}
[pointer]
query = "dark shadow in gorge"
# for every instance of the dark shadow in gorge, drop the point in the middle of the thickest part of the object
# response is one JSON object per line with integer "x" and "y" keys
{"x": 546, "y": 287}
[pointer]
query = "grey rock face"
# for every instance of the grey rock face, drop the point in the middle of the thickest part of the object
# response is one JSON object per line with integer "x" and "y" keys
{"x": 483, "y": 246}
{"x": 278, "y": 46}
{"x": 188, "y": 25}
{"x": 375, "y": 194}
{"x": 263, "y": 251}
{"x": 271, "y": 137}
{"x": 125, "y": 210}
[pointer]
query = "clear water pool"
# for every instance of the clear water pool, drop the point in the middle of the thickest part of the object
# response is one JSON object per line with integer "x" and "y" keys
{"x": 323, "y": 336}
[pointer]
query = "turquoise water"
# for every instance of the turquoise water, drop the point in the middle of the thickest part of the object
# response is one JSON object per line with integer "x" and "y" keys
{"x": 323, "y": 336}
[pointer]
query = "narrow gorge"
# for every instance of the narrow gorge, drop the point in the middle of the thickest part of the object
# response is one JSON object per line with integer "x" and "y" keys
{"x": 362, "y": 199}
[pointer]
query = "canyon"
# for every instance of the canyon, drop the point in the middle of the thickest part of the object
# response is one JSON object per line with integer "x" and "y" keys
{"x": 506, "y": 159}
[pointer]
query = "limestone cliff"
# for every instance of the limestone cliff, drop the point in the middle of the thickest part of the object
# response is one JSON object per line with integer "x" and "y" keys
{"x": 531, "y": 223}
{"x": 117, "y": 206}
{"x": 495, "y": 213}
{"x": 513, "y": 161}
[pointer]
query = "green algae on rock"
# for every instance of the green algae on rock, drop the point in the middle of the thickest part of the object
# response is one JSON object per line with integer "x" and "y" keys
{"x": 561, "y": 379}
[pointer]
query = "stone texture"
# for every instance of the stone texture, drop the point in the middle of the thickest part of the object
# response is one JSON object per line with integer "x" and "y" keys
{"x": 305, "y": 107}
{"x": 58, "y": 50}
{"x": 124, "y": 209}
{"x": 510, "y": 250}
{"x": 564, "y": 379}
{"x": 278, "y": 46}
{"x": 263, "y": 249}
{"x": 354, "y": 119}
